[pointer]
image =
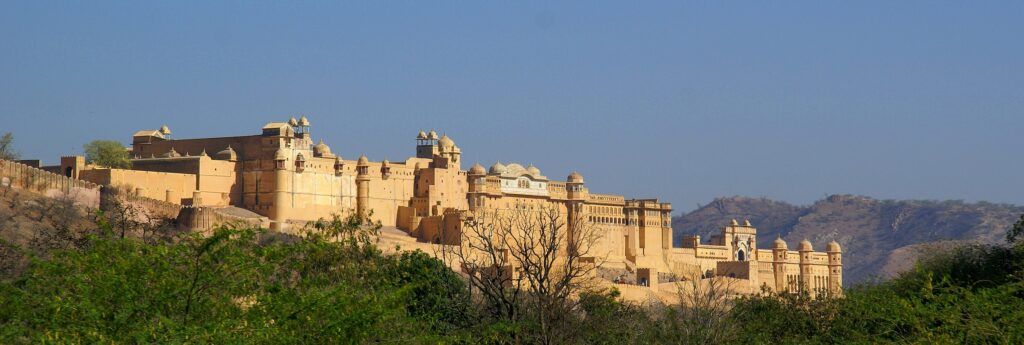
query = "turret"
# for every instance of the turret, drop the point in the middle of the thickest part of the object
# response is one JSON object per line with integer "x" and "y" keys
{"x": 780, "y": 253}
{"x": 806, "y": 269}
{"x": 385, "y": 169}
{"x": 339, "y": 165}
{"x": 300, "y": 163}
{"x": 362, "y": 185}
{"x": 575, "y": 187}
{"x": 477, "y": 186}
{"x": 282, "y": 192}
{"x": 426, "y": 145}
{"x": 835, "y": 267}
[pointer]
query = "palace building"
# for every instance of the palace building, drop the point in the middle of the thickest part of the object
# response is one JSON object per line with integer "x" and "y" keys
{"x": 282, "y": 174}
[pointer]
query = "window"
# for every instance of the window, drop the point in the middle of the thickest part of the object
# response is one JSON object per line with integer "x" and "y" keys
{"x": 524, "y": 183}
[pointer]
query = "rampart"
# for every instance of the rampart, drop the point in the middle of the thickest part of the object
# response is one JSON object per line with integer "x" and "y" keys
{"x": 21, "y": 176}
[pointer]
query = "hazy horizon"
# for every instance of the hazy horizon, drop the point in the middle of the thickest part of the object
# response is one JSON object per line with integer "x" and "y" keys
{"x": 683, "y": 102}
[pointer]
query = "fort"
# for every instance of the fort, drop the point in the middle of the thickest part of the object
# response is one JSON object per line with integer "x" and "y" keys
{"x": 281, "y": 179}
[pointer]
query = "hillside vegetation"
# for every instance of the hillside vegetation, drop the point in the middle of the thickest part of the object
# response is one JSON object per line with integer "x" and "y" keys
{"x": 879, "y": 237}
{"x": 101, "y": 284}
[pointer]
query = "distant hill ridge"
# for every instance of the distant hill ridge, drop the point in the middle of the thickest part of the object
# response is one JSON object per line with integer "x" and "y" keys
{"x": 874, "y": 233}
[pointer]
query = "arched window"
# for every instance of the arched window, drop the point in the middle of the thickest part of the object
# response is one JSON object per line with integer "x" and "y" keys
{"x": 524, "y": 183}
{"x": 741, "y": 256}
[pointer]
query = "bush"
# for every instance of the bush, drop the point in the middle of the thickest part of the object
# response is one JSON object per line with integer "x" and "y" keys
{"x": 227, "y": 288}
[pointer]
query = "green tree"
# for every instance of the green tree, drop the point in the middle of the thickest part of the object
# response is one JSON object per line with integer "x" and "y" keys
{"x": 108, "y": 153}
{"x": 1016, "y": 231}
{"x": 7, "y": 147}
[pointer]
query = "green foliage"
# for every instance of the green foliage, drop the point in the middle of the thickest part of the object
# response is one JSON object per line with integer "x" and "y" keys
{"x": 234, "y": 286}
{"x": 107, "y": 153}
{"x": 1016, "y": 231}
{"x": 333, "y": 285}
{"x": 7, "y": 147}
{"x": 970, "y": 295}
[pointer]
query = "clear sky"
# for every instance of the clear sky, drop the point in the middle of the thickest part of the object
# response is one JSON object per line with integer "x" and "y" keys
{"x": 682, "y": 101}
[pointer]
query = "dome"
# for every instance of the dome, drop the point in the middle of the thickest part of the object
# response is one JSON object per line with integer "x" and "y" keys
{"x": 533, "y": 170}
{"x": 574, "y": 177}
{"x": 833, "y": 247}
{"x": 227, "y": 154}
{"x": 514, "y": 168}
{"x": 446, "y": 142}
{"x": 172, "y": 153}
{"x": 746, "y": 223}
{"x": 497, "y": 168}
{"x": 362, "y": 161}
{"x": 733, "y": 222}
{"x": 164, "y": 130}
{"x": 421, "y": 136}
{"x": 280, "y": 155}
{"x": 779, "y": 243}
{"x": 300, "y": 158}
{"x": 432, "y": 135}
{"x": 805, "y": 246}
{"x": 385, "y": 164}
{"x": 321, "y": 149}
{"x": 477, "y": 169}
{"x": 303, "y": 121}
{"x": 293, "y": 122}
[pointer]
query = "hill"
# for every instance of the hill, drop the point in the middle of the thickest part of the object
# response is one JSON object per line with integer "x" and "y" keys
{"x": 878, "y": 236}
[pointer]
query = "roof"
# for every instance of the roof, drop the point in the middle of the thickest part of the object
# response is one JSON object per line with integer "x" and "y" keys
{"x": 275, "y": 125}
{"x": 575, "y": 177}
{"x": 477, "y": 169}
{"x": 805, "y": 245}
{"x": 514, "y": 170}
{"x": 148, "y": 133}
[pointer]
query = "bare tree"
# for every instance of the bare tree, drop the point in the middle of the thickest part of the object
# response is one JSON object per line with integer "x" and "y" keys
{"x": 60, "y": 220}
{"x": 482, "y": 256}
{"x": 704, "y": 310}
{"x": 529, "y": 256}
{"x": 7, "y": 147}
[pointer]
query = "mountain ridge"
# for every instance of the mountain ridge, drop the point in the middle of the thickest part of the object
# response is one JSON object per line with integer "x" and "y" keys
{"x": 876, "y": 235}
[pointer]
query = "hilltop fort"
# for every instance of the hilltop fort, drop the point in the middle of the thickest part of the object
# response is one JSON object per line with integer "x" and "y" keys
{"x": 280, "y": 178}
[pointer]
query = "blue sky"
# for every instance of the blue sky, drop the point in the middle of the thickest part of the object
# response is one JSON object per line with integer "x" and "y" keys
{"x": 684, "y": 101}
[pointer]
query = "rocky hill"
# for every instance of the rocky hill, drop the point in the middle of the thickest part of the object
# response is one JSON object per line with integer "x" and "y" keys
{"x": 879, "y": 237}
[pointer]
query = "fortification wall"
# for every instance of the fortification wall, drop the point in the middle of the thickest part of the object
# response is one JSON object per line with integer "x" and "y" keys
{"x": 23, "y": 177}
{"x": 207, "y": 218}
{"x": 163, "y": 186}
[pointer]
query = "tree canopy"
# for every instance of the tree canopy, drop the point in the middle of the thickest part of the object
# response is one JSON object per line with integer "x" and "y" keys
{"x": 107, "y": 153}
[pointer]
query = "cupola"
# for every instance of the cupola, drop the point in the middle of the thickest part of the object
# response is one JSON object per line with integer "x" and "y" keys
{"x": 833, "y": 247}
{"x": 321, "y": 149}
{"x": 227, "y": 154}
{"x": 805, "y": 246}
{"x": 497, "y": 168}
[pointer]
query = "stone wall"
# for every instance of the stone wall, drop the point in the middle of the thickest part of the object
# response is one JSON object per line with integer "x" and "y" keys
{"x": 24, "y": 177}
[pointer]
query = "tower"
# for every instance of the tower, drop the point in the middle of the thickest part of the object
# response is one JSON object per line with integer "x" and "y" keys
{"x": 426, "y": 145}
{"x": 835, "y": 267}
{"x": 477, "y": 187}
{"x": 780, "y": 254}
{"x": 806, "y": 270}
{"x": 576, "y": 195}
{"x": 279, "y": 209}
{"x": 362, "y": 185}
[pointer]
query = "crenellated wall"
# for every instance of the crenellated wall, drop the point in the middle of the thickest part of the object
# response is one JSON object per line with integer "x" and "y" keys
{"x": 24, "y": 177}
